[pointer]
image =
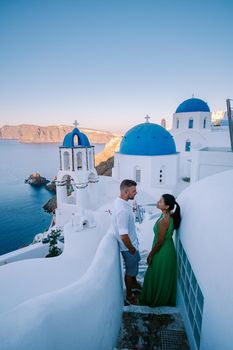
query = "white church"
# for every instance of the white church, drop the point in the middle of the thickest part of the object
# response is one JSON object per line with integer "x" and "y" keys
{"x": 148, "y": 155}
{"x": 204, "y": 148}
{"x": 77, "y": 178}
{"x": 75, "y": 300}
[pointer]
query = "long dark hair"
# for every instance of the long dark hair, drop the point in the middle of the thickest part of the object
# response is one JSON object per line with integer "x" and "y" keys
{"x": 170, "y": 200}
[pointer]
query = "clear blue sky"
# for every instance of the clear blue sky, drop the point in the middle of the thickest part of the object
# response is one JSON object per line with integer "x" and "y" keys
{"x": 109, "y": 63}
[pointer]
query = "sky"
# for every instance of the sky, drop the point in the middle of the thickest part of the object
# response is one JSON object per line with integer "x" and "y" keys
{"x": 110, "y": 63}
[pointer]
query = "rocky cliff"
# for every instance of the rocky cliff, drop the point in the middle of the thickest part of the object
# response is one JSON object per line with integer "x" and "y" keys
{"x": 48, "y": 134}
{"x": 110, "y": 148}
{"x": 104, "y": 161}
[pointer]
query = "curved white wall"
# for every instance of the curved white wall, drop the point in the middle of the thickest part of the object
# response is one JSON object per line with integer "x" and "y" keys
{"x": 73, "y": 301}
{"x": 32, "y": 251}
{"x": 207, "y": 236}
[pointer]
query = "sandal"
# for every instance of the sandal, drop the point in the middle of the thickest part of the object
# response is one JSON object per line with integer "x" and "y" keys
{"x": 131, "y": 300}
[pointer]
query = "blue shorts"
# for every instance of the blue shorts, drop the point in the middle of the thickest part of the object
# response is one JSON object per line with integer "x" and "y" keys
{"x": 131, "y": 262}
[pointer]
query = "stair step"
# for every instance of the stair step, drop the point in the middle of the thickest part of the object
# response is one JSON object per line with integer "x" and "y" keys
{"x": 146, "y": 328}
{"x": 151, "y": 310}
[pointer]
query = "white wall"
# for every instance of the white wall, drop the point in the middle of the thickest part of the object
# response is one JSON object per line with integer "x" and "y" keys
{"x": 83, "y": 315}
{"x": 209, "y": 161}
{"x": 219, "y": 137}
{"x": 124, "y": 168}
{"x": 170, "y": 163}
{"x": 196, "y": 138}
{"x": 198, "y": 118}
{"x": 32, "y": 251}
{"x": 214, "y": 137}
{"x": 206, "y": 235}
{"x": 41, "y": 275}
{"x": 55, "y": 304}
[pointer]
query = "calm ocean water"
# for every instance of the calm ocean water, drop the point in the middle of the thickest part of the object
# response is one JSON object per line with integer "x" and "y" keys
{"x": 21, "y": 212}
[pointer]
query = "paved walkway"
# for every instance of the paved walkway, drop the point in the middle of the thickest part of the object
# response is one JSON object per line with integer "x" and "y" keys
{"x": 152, "y": 328}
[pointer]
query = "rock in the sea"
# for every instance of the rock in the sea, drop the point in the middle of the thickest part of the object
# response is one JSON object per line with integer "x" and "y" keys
{"x": 36, "y": 180}
{"x": 51, "y": 205}
{"x": 51, "y": 187}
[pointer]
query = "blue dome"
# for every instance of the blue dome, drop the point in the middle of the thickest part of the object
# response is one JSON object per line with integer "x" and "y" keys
{"x": 82, "y": 139}
{"x": 147, "y": 139}
{"x": 193, "y": 105}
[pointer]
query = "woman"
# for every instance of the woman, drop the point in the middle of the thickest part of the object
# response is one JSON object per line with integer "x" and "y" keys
{"x": 159, "y": 287}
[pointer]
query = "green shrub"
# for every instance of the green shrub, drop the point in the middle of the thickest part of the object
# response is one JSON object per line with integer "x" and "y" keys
{"x": 53, "y": 248}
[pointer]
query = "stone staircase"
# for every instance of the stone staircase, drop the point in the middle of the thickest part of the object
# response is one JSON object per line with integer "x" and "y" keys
{"x": 146, "y": 328}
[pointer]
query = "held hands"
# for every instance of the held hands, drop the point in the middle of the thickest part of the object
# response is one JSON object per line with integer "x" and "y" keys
{"x": 133, "y": 251}
{"x": 149, "y": 258}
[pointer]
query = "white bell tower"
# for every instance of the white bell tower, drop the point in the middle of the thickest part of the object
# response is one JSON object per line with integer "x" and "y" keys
{"x": 77, "y": 178}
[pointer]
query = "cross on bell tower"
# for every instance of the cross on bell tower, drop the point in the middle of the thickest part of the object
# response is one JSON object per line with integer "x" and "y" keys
{"x": 76, "y": 123}
{"x": 147, "y": 118}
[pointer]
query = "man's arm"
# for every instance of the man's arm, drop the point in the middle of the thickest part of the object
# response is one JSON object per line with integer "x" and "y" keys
{"x": 123, "y": 227}
{"x": 127, "y": 242}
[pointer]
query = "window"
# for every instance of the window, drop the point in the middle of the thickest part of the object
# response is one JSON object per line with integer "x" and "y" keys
{"x": 204, "y": 123}
{"x": 118, "y": 170}
{"x": 190, "y": 123}
{"x": 66, "y": 158}
{"x": 69, "y": 187}
{"x": 60, "y": 159}
{"x": 193, "y": 297}
{"x": 187, "y": 145}
{"x": 137, "y": 174}
{"x": 177, "y": 123}
{"x": 162, "y": 175}
{"x": 90, "y": 160}
{"x": 79, "y": 160}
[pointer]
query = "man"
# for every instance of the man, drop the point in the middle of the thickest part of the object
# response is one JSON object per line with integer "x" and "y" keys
{"x": 125, "y": 232}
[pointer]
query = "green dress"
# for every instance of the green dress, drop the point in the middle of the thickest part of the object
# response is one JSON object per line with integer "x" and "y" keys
{"x": 159, "y": 287}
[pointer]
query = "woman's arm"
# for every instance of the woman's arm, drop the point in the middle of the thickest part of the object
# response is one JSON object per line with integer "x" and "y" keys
{"x": 162, "y": 229}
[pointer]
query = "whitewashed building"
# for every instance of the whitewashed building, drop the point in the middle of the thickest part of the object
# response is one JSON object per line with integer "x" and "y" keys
{"x": 192, "y": 129}
{"x": 148, "y": 155}
{"x": 210, "y": 160}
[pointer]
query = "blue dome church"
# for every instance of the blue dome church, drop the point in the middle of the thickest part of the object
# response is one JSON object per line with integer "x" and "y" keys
{"x": 194, "y": 114}
{"x": 193, "y": 131}
{"x": 147, "y": 139}
{"x": 148, "y": 155}
{"x": 191, "y": 127}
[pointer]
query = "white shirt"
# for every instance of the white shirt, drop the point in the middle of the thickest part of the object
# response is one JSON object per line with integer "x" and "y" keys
{"x": 123, "y": 222}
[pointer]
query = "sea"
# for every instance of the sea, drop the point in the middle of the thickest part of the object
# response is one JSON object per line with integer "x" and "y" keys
{"x": 21, "y": 206}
